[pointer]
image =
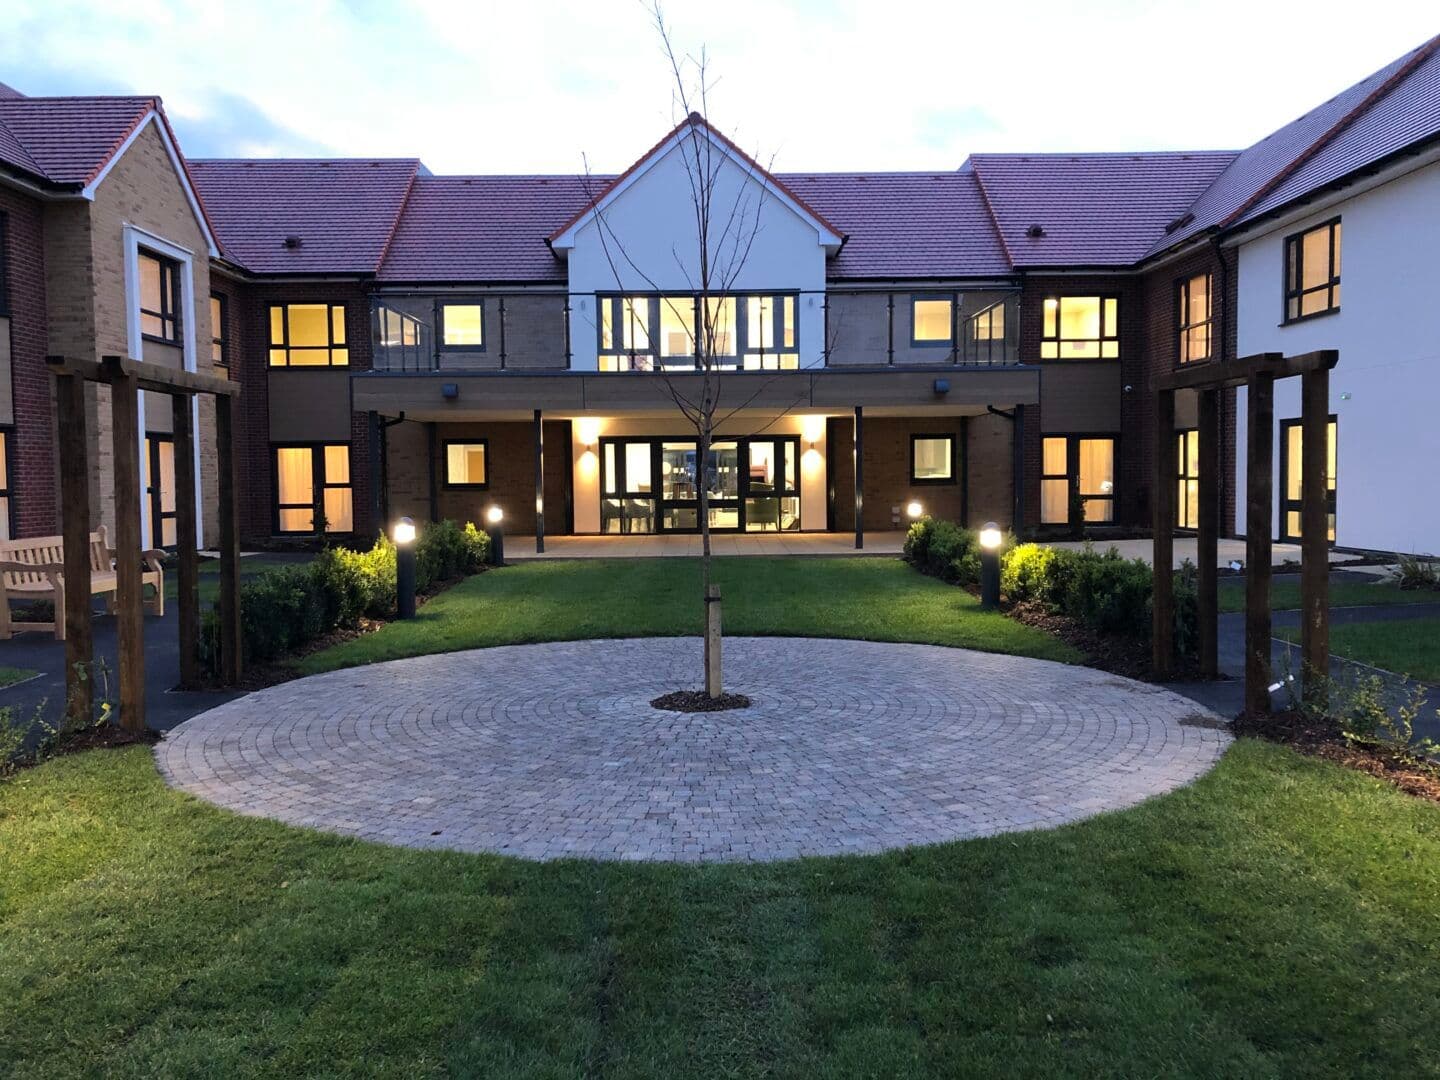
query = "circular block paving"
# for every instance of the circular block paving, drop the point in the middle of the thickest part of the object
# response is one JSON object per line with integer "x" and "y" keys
{"x": 548, "y": 751}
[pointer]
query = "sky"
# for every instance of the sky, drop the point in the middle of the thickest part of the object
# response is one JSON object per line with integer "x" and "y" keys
{"x": 544, "y": 86}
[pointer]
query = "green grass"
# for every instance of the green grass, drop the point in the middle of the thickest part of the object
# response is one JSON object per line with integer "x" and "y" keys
{"x": 1285, "y": 595}
{"x": 210, "y": 575}
{"x": 1278, "y": 918}
{"x": 9, "y": 676}
{"x": 876, "y": 599}
{"x": 1408, "y": 646}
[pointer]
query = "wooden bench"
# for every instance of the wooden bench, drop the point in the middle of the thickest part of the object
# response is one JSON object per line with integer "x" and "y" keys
{"x": 34, "y": 569}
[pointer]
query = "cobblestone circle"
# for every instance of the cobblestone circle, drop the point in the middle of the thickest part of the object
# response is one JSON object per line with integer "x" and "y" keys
{"x": 549, "y": 751}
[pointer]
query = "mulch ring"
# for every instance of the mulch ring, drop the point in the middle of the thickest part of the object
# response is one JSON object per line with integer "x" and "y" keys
{"x": 1115, "y": 653}
{"x": 1324, "y": 740}
{"x": 699, "y": 701}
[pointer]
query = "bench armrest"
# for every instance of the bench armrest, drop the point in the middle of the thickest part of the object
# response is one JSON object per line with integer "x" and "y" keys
{"x": 8, "y": 567}
{"x": 152, "y": 557}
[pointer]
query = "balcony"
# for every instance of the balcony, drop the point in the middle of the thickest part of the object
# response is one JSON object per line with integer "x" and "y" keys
{"x": 839, "y": 328}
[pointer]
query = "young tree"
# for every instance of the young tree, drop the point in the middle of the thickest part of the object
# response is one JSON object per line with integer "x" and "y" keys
{"x": 727, "y": 219}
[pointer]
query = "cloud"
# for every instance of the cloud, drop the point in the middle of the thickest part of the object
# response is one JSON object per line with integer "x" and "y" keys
{"x": 228, "y": 125}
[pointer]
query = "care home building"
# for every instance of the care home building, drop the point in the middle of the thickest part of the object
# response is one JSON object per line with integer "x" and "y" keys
{"x": 980, "y": 340}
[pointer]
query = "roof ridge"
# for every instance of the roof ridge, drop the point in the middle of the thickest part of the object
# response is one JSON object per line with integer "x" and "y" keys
{"x": 395, "y": 221}
{"x": 299, "y": 160}
{"x": 1417, "y": 57}
{"x": 152, "y": 105}
{"x": 1098, "y": 153}
{"x": 990, "y": 210}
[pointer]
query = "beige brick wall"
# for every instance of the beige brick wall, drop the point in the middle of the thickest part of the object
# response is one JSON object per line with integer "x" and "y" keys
{"x": 85, "y": 283}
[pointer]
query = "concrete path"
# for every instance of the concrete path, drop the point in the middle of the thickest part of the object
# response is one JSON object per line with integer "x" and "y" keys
{"x": 550, "y": 751}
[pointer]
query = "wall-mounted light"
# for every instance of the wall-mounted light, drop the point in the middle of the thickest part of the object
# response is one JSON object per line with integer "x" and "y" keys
{"x": 449, "y": 391}
{"x": 587, "y": 430}
{"x": 914, "y": 510}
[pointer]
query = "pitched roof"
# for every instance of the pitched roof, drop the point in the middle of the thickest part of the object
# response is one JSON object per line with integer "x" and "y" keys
{"x": 905, "y": 224}
{"x": 1091, "y": 209}
{"x": 343, "y": 211}
{"x": 1345, "y": 133}
{"x": 696, "y": 121}
{"x": 484, "y": 228}
{"x": 68, "y": 141}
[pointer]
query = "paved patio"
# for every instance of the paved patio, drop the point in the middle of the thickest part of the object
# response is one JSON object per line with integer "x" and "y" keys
{"x": 551, "y": 751}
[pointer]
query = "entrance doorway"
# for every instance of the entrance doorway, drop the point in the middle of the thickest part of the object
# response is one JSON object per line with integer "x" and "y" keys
{"x": 159, "y": 484}
{"x": 1291, "y": 442}
{"x": 653, "y": 484}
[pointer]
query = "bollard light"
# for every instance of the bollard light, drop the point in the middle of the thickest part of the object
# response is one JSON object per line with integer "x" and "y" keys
{"x": 494, "y": 526}
{"x": 914, "y": 510}
{"x": 990, "y": 540}
{"x": 404, "y": 536}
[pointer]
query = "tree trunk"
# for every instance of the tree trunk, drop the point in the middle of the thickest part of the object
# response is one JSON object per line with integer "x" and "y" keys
{"x": 711, "y": 659}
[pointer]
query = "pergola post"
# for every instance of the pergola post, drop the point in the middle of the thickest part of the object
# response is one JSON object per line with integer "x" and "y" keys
{"x": 1314, "y": 525}
{"x": 129, "y": 612}
{"x": 1162, "y": 505}
{"x": 231, "y": 664}
{"x": 1259, "y": 491}
{"x": 75, "y": 523}
{"x": 539, "y": 484}
{"x": 188, "y": 570}
{"x": 858, "y": 450}
{"x": 1208, "y": 531}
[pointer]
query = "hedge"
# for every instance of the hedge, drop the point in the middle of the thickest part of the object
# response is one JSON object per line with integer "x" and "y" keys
{"x": 285, "y": 608}
{"x": 1105, "y": 592}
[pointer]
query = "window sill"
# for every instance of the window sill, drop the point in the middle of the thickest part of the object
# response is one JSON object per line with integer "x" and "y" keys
{"x": 174, "y": 343}
{"x": 1311, "y": 316}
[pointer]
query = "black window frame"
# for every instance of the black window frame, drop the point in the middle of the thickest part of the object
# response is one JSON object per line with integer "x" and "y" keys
{"x": 740, "y": 336}
{"x": 4, "y": 264}
{"x": 318, "y": 485}
{"x": 1073, "y": 494}
{"x": 445, "y": 480}
{"x": 285, "y": 345}
{"x": 7, "y": 477}
{"x": 1294, "y": 287}
{"x": 155, "y": 494}
{"x": 1104, "y": 298}
{"x": 1186, "y": 472}
{"x": 1182, "y": 309}
{"x": 169, "y": 295}
{"x": 931, "y": 343}
{"x": 219, "y": 340}
{"x": 954, "y": 477}
{"x": 1287, "y": 505}
{"x": 441, "y": 303}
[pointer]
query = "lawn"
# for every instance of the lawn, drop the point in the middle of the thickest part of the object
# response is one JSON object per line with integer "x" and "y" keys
{"x": 1408, "y": 646}
{"x": 1285, "y": 595}
{"x": 876, "y": 599}
{"x": 1278, "y": 918}
{"x": 210, "y": 575}
{"x": 9, "y": 676}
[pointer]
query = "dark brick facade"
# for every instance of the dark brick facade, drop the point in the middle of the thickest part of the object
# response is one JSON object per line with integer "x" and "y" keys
{"x": 33, "y": 476}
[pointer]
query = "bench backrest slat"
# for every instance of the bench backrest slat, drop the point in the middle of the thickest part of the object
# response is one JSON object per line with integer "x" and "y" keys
{"x": 42, "y": 551}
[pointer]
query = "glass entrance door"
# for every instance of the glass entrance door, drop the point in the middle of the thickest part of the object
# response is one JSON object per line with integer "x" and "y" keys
{"x": 159, "y": 482}
{"x": 772, "y": 488}
{"x": 1291, "y": 443}
{"x": 627, "y": 493}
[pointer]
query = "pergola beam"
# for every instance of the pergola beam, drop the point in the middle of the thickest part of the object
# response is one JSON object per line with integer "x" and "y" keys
{"x": 162, "y": 380}
{"x": 1228, "y": 374}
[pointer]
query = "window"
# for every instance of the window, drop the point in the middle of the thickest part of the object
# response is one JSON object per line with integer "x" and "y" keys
{"x": 6, "y": 499}
{"x": 1080, "y": 328}
{"x": 1194, "y": 319}
{"x": 217, "y": 329}
{"x": 931, "y": 320}
{"x": 467, "y": 464}
{"x": 401, "y": 341}
{"x": 932, "y": 459}
{"x": 983, "y": 339}
{"x": 462, "y": 326}
{"x": 1187, "y": 479}
{"x": 312, "y": 489}
{"x": 1077, "y": 480}
{"x": 159, "y": 298}
{"x": 770, "y": 337}
{"x": 4, "y": 270}
{"x": 1312, "y": 272}
{"x": 308, "y": 335}
{"x": 625, "y": 333}
{"x": 158, "y": 479}
{"x": 1291, "y": 500}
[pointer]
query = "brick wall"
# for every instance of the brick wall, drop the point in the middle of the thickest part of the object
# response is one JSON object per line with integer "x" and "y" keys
{"x": 32, "y": 465}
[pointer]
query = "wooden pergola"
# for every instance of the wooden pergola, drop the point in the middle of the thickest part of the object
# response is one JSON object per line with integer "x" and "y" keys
{"x": 127, "y": 378}
{"x": 1258, "y": 373}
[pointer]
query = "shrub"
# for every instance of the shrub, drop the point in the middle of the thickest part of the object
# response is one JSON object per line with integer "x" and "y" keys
{"x": 1413, "y": 572}
{"x": 1025, "y": 573}
{"x": 945, "y": 550}
{"x": 285, "y": 608}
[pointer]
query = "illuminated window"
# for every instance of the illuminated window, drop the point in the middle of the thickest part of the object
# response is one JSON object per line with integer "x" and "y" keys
{"x": 1077, "y": 480}
{"x": 1194, "y": 319}
{"x": 717, "y": 333}
{"x": 308, "y": 335}
{"x": 467, "y": 464}
{"x": 1312, "y": 272}
{"x": 625, "y": 333}
{"x": 1080, "y": 328}
{"x": 1291, "y": 501}
{"x": 159, "y": 298}
{"x": 932, "y": 459}
{"x": 677, "y": 330}
{"x": 770, "y": 337}
{"x": 462, "y": 326}
{"x": 1187, "y": 479}
{"x": 401, "y": 343}
{"x": 931, "y": 320}
{"x": 312, "y": 489}
{"x": 217, "y": 330}
{"x": 989, "y": 325}
{"x": 6, "y": 499}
